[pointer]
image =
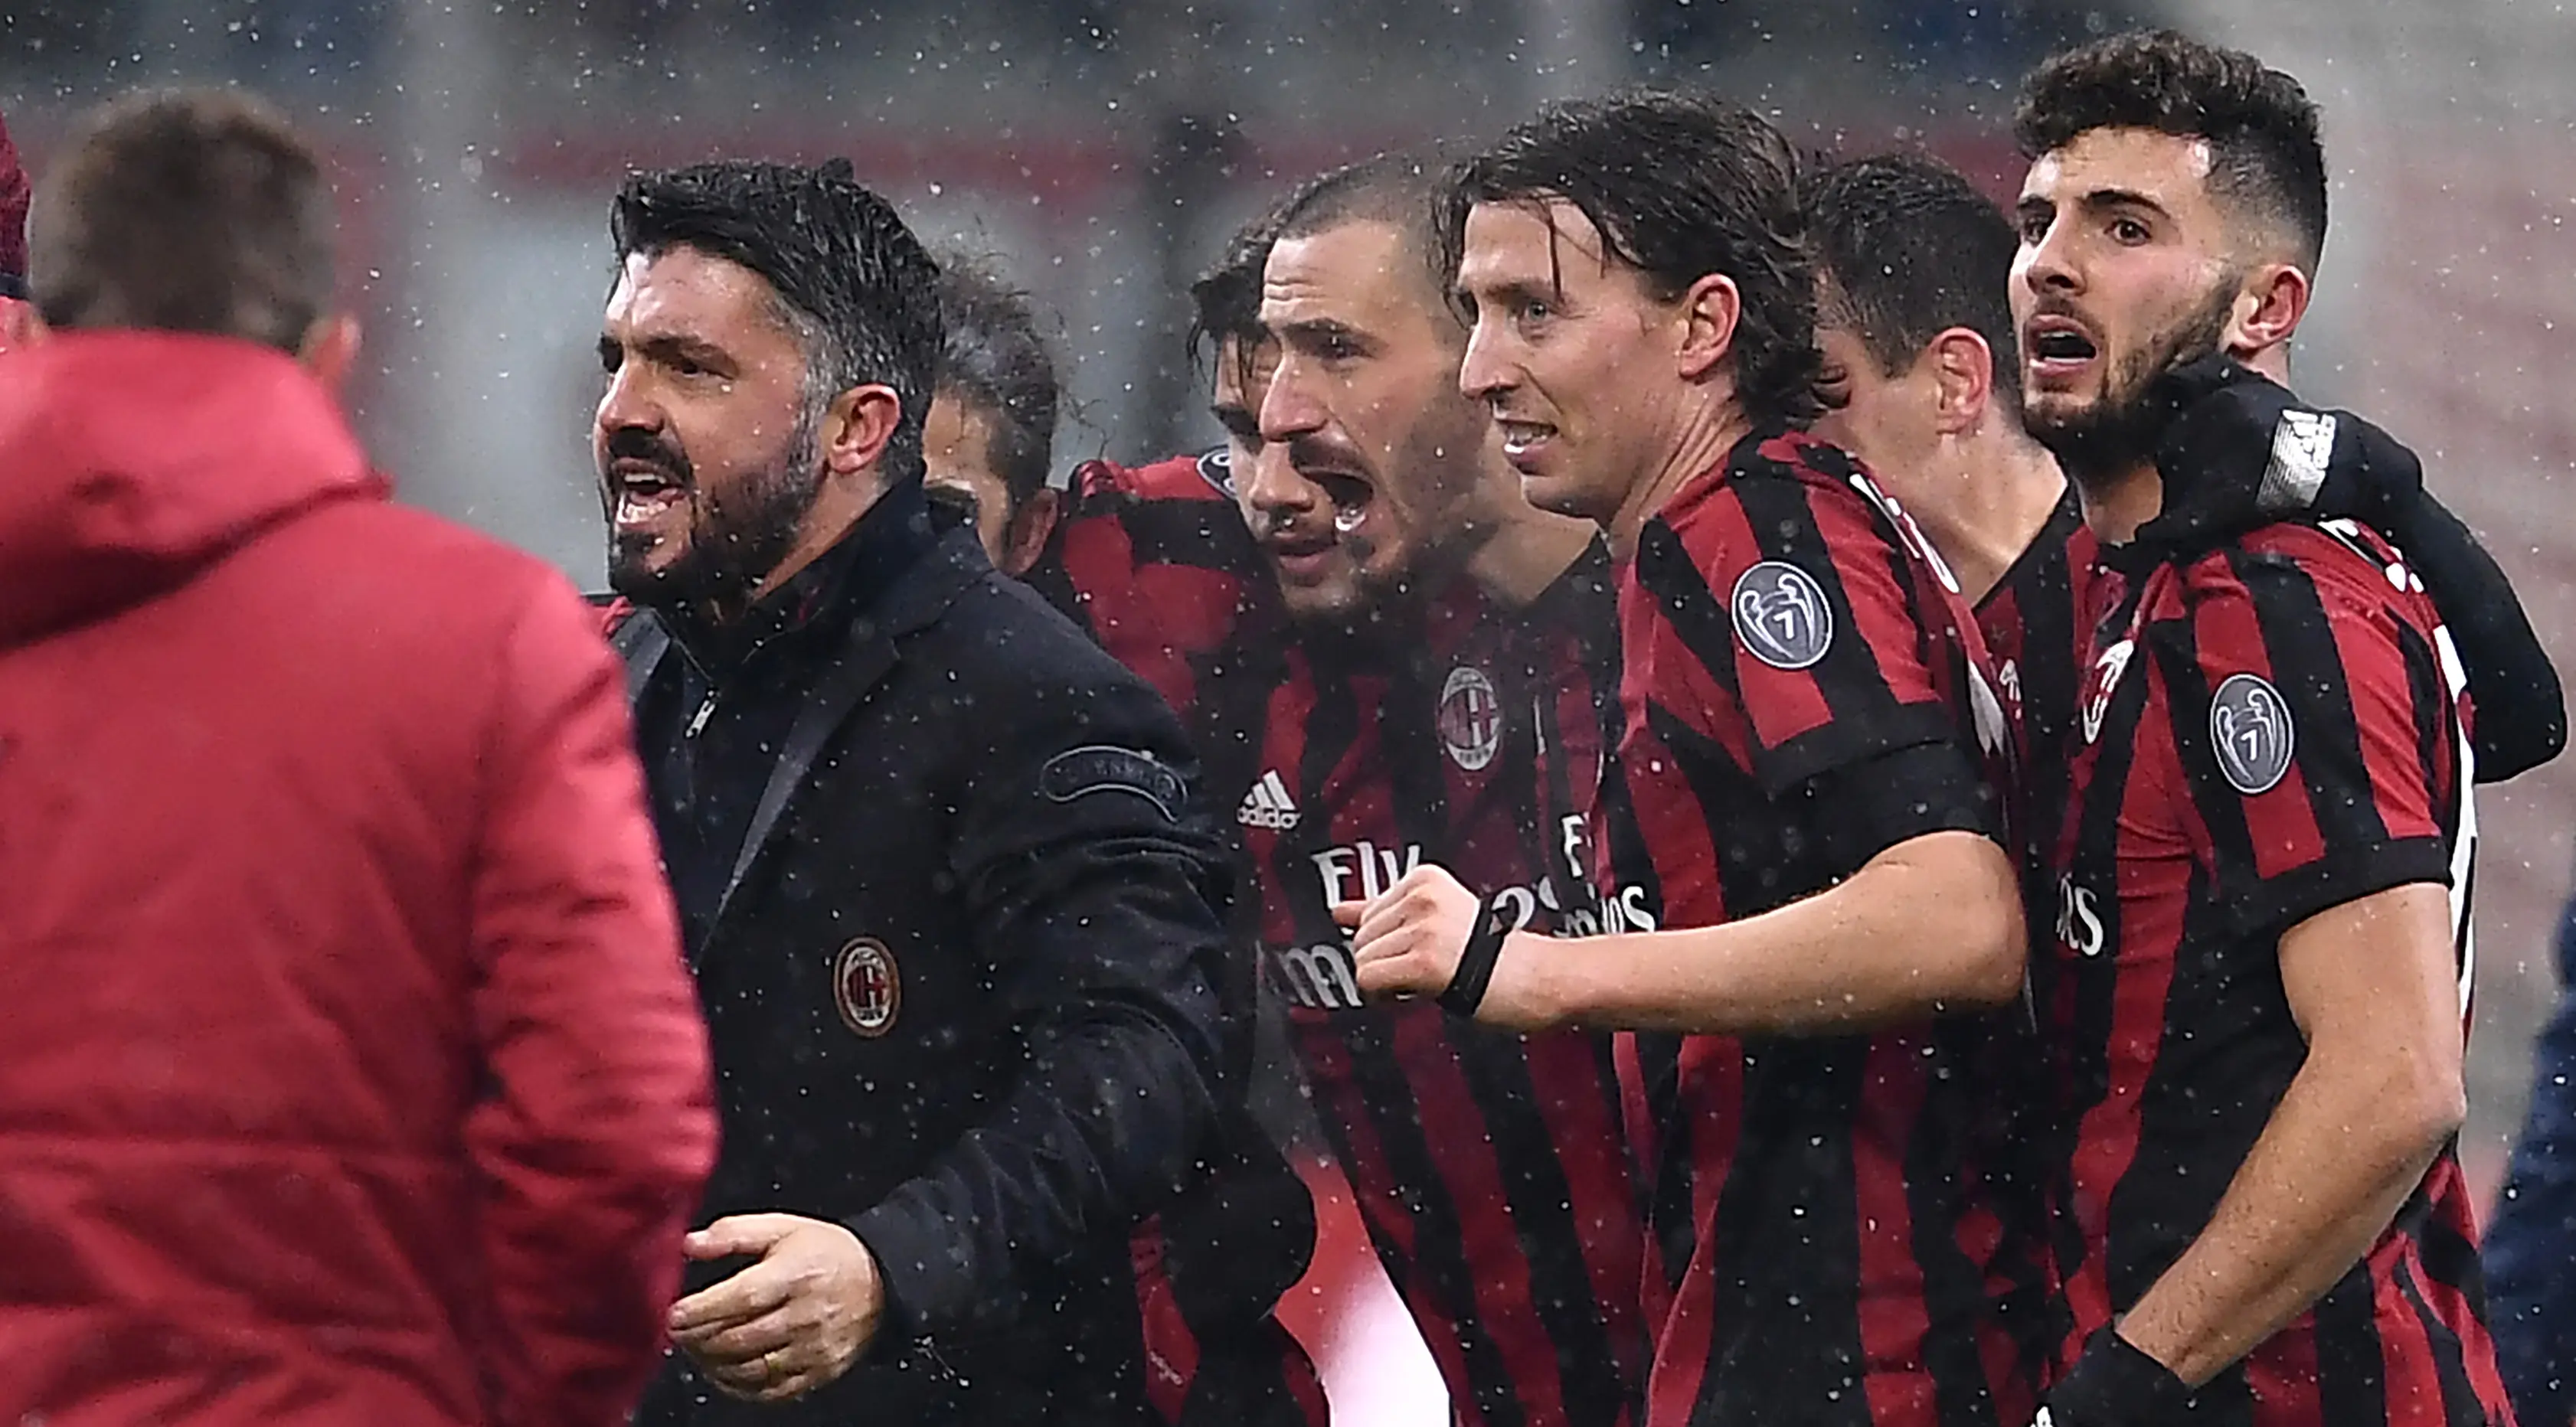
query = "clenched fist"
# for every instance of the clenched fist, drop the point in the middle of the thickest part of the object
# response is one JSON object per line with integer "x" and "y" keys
{"x": 1413, "y": 940}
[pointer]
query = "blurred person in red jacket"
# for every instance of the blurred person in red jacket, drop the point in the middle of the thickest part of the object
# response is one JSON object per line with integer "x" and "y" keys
{"x": 351, "y": 1073}
{"x": 15, "y": 314}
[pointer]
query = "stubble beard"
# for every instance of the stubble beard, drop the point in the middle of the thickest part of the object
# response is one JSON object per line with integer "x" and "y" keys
{"x": 2115, "y": 434}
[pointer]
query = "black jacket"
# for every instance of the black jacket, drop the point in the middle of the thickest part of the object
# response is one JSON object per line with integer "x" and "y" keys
{"x": 963, "y": 964}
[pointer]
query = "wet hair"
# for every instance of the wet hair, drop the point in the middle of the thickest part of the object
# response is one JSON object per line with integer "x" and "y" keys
{"x": 1681, "y": 186}
{"x": 195, "y": 210}
{"x": 850, "y": 280}
{"x": 1911, "y": 249}
{"x": 2266, "y": 159}
{"x": 997, "y": 367}
{"x": 1225, "y": 301}
{"x": 1401, "y": 189}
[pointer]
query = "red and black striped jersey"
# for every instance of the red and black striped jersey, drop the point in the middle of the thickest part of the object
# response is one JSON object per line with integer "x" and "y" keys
{"x": 1488, "y": 1166}
{"x": 1801, "y": 691}
{"x": 2267, "y": 730}
{"x": 1157, "y": 563}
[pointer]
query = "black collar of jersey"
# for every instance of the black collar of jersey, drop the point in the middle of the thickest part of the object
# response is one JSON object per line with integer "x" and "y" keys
{"x": 841, "y": 584}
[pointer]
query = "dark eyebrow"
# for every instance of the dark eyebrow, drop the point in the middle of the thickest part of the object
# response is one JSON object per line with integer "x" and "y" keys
{"x": 1315, "y": 331}
{"x": 1520, "y": 290}
{"x": 668, "y": 348}
{"x": 2104, "y": 199}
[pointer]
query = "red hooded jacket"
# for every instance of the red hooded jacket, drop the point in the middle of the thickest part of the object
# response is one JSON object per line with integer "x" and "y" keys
{"x": 348, "y": 1068}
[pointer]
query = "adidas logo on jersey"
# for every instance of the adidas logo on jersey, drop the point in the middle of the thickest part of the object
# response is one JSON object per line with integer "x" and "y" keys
{"x": 1268, "y": 805}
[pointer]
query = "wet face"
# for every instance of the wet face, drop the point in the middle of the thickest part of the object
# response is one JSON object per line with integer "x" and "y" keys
{"x": 2125, "y": 271}
{"x": 1891, "y": 422}
{"x": 1373, "y": 461}
{"x": 958, "y": 446}
{"x": 1570, "y": 353}
{"x": 706, "y": 453}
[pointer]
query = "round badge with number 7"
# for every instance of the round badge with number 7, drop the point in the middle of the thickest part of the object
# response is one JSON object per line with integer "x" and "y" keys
{"x": 1781, "y": 615}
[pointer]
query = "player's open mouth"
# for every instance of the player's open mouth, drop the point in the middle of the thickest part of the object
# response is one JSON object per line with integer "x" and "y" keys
{"x": 1523, "y": 441}
{"x": 2059, "y": 348}
{"x": 645, "y": 492}
{"x": 1351, "y": 498}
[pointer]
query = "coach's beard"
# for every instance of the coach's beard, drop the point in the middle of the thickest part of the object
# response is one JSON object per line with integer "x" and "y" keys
{"x": 2098, "y": 444}
{"x": 732, "y": 543}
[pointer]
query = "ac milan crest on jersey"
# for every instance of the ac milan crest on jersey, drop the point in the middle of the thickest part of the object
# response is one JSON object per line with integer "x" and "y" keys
{"x": 1471, "y": 718}
{"x": 866, "y": 988}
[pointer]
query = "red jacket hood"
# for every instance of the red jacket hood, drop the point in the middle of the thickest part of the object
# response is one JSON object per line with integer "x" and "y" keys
{"x": 130, "y": 459}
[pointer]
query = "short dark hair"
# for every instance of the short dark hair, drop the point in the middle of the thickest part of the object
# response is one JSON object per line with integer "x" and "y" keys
{"x": 1912, "y": 249}
{"x": 194, "y": 210}
{"x": 2265, "y": 154}
{"x": 1402, "y": 189}
{"x": 1681, "y": 185}
{"x": 997, "y": 367}
{"x": 851, "y": 280}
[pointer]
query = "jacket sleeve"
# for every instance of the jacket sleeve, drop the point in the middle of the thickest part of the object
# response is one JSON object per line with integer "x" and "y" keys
{"x": 596, "y": 1130}
{"x": 2531, "y": 1248}
{"x": 2521, "y": 711}
{"x": 1100, "y": 895}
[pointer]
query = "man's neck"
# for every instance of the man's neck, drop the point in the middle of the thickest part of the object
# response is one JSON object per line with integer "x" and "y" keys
{"x": 1704, "y": 442}
{"x": 2117, "y": 505}
{"x": 1527, "y": 551}
{"x": 1999, "y": 497}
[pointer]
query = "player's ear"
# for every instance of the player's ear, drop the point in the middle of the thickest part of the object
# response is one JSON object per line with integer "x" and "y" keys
{"x": 1708, "y": 312}
{"x": 2268, "y": 310}
{"x": 1025, "y": 538}
{"x": 1963, "y": 375}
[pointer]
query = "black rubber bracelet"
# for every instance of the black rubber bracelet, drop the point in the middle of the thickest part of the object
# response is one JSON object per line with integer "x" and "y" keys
{"x": 1476, "y": 965}
{"x": 2115, "y": 1384}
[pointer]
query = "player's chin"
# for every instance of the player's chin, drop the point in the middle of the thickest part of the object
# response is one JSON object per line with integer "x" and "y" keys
{"x": 642, "y": 560}
{"x": 1561, "y": 492}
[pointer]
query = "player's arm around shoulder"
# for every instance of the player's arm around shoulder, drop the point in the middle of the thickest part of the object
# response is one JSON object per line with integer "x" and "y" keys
{"x": 599, "y": 1131}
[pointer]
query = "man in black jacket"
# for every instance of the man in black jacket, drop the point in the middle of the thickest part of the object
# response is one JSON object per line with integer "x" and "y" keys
{"x": 956, "y": 917}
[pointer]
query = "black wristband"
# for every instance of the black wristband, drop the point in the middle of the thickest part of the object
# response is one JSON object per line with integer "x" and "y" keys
{"x": 2115, "y": 1384}
{"x": 1466, "y": 990}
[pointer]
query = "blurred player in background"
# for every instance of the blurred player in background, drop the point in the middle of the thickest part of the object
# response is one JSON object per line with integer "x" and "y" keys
{"x": 15, "y": 313}
{"x": 992, "y": 424}
{"x": 1155, "y": 561}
